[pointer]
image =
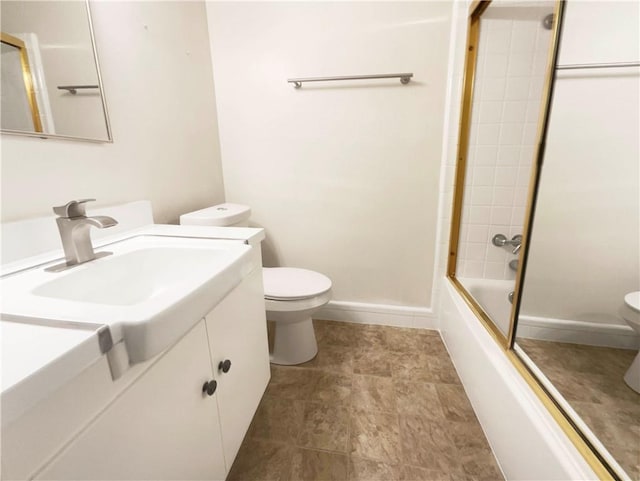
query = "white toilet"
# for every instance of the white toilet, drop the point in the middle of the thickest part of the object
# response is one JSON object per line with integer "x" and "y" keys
{"x": 291, "y": 295}
{"x": 631, "y": 313}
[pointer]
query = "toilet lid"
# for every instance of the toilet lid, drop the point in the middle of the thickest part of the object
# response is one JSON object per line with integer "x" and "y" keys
{"x": 633, "y": 300}
{"x": 288, "y": 283}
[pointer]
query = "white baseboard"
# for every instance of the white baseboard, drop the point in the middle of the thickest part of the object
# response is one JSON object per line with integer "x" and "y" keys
{"x": 380, "y": 314}
{"x": 578, "y": 332}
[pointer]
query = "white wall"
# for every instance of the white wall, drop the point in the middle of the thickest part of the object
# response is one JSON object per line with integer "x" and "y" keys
{"x": 344, "y": 176}
{"x": 585, "y": 250}
{"x": 157, "y": 74}
{"x": 513, "y": 52}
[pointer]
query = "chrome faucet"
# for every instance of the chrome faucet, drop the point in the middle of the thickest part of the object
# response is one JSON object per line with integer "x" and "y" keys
{"x": 75, "y": 226}
{"x": 500, "y": 240}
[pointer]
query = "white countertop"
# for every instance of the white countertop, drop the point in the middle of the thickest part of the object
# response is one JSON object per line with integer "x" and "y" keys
{"x": 36, "y": 359}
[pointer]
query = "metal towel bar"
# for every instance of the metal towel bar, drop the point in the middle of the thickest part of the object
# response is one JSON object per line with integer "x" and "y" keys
{"x": 404, "y": 78}
{"x": 73, "y": 89}
{"x": 598, "y": 65}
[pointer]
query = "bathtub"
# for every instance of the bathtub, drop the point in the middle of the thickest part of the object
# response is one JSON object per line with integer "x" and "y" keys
{"x": 493, "y": 297}
{"x": 526, "y": 440}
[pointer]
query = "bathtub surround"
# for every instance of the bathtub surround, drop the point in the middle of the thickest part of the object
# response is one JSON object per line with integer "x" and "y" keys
{"x": 513, "y": 52}
{"x": 156, "y": 70}
{"x": 343, "y": 175}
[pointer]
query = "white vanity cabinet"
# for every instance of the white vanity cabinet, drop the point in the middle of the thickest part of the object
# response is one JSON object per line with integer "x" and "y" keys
{"x": 237, "y": 331}
{"x": 163, "y": 426}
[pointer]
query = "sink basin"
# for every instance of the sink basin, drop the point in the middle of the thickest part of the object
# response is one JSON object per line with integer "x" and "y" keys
{"x": 150, "y": 291}
{"x": 133, "y": 277}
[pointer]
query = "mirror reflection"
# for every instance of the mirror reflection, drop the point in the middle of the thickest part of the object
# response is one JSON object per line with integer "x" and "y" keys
{"x": 510, "y": 73}
{"x": 580, "y": 310}
{"x": 50, "y": 78}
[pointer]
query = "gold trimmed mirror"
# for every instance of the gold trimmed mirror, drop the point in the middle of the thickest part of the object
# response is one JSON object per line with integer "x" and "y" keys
{"x": 51, "y": 85}
{"x": 575, "y": 199}
{"x": 19, "y": 104}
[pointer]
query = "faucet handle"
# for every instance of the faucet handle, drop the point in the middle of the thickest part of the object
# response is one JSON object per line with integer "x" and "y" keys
{"x": 73, "y": 208}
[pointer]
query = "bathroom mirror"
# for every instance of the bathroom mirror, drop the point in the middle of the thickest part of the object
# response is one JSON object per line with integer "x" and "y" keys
{"x": 574, "y": 328}
{"x": 51, "y": 84}
{"x": 506, "y": 88}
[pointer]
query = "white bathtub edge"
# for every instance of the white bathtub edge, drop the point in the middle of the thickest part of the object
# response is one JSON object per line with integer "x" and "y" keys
{"x": 526, "y": 440}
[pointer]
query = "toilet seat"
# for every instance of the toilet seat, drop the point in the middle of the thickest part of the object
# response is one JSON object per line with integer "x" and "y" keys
{"x": 293, "y": 284}
{"x": 632, "y": 300}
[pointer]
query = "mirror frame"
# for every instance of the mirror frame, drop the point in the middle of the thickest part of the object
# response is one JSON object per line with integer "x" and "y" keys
{"x": 592, "y": 456}
{"x": 44, "y": 135}
{"x": 15, "y": 42}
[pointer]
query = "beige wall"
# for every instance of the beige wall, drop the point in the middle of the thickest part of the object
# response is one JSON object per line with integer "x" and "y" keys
{"x": 343, "y": 176}
{"x": 157, "y": 75}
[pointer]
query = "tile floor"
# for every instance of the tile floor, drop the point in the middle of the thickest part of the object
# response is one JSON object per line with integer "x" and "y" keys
{"x": 377, "y": 403}
{"x": 591, "y": 379}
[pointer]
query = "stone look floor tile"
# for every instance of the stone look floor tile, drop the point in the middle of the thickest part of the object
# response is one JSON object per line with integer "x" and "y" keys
{"x": 442, "y": 369}
{"x": 290, "y": 383}
{"x": 479, "y": 463}
{"x": 467, "y": 434}
{"x": 370, "y": 338}
{"x": 418, "y": 398}
{"x": 413, "y": 340}
{"x": 421, "y": 367}
{"x": 373, "y": 393}
{"x": 338, "y": 334}
{"x": 361, "y": 469}
{"x": 277, "y": 419}
{"x": 368, "y": 407}
{"x": 312, "y": 465}
{"x": 374, "y": 363}
{"x": 325, "y": 426}
{"x": 415, "y": 473}
{"x": 262, "y": 461}
{"x": 329, "y": 386}
{"x": 455, "y": 403}
{"x": 375, "y": 435}
{"x": 337, "y": 359}
{"x": 427, "y": 444}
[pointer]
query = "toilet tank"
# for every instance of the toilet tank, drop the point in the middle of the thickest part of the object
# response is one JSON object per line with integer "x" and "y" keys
{"x": 222, "y": 215}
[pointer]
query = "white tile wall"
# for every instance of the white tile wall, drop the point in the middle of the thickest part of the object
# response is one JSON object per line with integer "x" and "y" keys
{"x": 512, "y": 58}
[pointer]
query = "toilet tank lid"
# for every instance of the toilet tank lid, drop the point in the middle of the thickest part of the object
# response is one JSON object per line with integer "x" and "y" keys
{"x": 217, "y": 215}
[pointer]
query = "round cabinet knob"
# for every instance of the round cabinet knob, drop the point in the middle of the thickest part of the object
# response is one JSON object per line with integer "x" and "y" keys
{"x": 224, "y": 366}
{"x": 209, "y": 387}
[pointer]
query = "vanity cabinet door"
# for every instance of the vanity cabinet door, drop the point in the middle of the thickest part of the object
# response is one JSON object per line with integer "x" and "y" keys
{"x": 162, "y": 427}
{"x": 237, "y": 330}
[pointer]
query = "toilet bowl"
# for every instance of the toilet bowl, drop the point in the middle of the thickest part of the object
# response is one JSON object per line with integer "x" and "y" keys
{"x": 291, "y": 295}
{"x": 631, "y": 313}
